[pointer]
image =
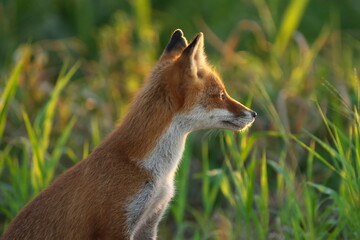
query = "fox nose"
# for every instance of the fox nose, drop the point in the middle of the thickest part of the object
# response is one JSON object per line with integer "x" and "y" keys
{"x": 254, "y": 114}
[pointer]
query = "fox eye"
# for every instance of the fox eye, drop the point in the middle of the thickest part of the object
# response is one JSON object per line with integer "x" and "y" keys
{"x": 222, "y": 95}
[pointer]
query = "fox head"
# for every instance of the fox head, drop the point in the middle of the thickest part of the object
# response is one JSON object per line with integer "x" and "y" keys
{"x": 194, "y": 90}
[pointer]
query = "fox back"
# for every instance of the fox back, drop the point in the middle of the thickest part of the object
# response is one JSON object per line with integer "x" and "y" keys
{"x": 121, "y": 190}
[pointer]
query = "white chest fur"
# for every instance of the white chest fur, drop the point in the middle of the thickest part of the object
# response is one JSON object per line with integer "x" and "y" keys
{"x": 162, "y": 162}
{"x": 164, "y": 159}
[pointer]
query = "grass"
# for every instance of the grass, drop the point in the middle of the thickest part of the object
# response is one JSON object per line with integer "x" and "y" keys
{"x": 293, "y": 175}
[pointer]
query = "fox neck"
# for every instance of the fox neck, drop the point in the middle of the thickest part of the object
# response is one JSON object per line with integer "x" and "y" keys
{"x": 164, "y": 159}
{"x": 152, "y": 134}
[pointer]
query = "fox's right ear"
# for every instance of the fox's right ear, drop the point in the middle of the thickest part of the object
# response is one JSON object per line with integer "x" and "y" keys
{"x": 193, "y": 56}
{"x": 175, "y": 46}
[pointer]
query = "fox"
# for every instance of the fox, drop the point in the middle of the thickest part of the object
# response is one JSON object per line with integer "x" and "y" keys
{"x": 122, "y": 189}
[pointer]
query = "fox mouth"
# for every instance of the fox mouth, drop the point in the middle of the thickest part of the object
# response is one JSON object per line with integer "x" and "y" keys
{"x": 237, "y": 126}
{"x": 229, "y": 123}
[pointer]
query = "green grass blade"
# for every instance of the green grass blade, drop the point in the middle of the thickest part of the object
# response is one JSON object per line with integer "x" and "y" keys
{"x": 316, "y": 154}
{"x": 95, "y": 132}
{"x": 250, "y": 188}
{"x": 37, "y": 157}
{"x": 205, "y": 178}
{"x": 289, "y": 23}
{"x": 264, "y": 202}
{"x": 50, "y": 107}
{"x": 51, "y": 163}
{"x": 226, "y": 190}
{"x": 323, "y": 189}
{"x": 10, "y": 88}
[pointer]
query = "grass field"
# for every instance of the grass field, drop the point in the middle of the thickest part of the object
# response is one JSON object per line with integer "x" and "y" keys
{"x": 68, "y": 70}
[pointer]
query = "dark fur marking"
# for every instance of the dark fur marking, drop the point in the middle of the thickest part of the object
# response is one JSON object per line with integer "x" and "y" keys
{"x": 177, "y": 41}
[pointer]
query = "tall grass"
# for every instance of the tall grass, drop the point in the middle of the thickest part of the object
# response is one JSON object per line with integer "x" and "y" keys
{"x": 293, "y": 175}
{"x": 31, "y": 167}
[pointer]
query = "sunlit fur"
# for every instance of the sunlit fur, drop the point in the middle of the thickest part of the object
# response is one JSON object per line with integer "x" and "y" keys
{"x": 121, "y": 190}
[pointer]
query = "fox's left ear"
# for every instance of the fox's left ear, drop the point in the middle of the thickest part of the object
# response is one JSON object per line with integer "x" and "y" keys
{"x": 175, "y": 46}
{"x": 193, "y": 55}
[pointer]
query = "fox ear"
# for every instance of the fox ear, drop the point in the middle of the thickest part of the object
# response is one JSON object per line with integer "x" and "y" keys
{"x": 194, "y": 56}
{"x": 175, "y": 46}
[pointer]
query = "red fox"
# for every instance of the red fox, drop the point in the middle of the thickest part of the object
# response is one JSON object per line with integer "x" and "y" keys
{"x": 121, "y": 190}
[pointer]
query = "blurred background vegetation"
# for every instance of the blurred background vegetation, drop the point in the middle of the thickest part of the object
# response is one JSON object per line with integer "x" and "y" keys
{"x": 68, "y": 69}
